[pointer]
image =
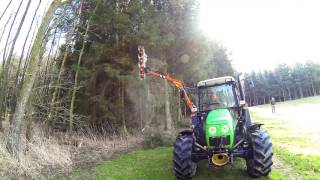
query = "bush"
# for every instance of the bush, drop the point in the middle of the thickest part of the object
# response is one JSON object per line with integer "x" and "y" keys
{"x": 156, "y": 138}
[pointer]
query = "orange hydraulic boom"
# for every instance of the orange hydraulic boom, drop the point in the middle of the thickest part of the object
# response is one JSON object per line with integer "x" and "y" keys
{"x": 177, "y": 83}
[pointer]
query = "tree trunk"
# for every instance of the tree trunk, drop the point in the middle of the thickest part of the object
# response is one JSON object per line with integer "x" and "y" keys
{"x": 148, "y": 109}
{"x": 24, "y": 44}
{"x": 37, "y": 52}
{"x": 140, "y": 111}
{"x": 3, "y": 31}
{"x": 15, "y": 90}
{"x": 300, "y": 91}
{"x": 313, "y": 89}
{"x": 179, "y": 109}
{"x": 169, "y": 126}
{"x": 75, "y": 86}
{"x": 289, "y": 93}
{"x": 122, "y": 87}
{"x": 255, "y": 98}
{"x": 55, "y": 94}
{"x": 11, "y": 26}
{"x": 26, "y": 63}
{"x": 5, "y": 10}
{"x": 5, "y": 69}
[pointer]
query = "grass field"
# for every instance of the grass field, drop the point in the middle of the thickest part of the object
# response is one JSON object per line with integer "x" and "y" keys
{"x": 295, "y": 143}
{"x": 295, "y": 132}
{"x": 156, "y": 164}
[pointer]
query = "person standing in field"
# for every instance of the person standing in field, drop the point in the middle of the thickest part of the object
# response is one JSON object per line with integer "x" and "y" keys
{"x": 273, "y": 105}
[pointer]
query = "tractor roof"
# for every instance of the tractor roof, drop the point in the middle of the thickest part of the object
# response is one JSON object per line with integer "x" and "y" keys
{"x": 215, "y": 81}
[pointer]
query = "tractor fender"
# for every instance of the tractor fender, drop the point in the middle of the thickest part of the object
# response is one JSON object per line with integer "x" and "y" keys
{"x": 254, "y": 126}
{"x": 248, "y": 118}
{"x": 186, "y": 132}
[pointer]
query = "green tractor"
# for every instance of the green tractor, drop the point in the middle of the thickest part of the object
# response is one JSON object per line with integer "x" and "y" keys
{"x": 222, "y": 130}
{"x": 221, "y": 127}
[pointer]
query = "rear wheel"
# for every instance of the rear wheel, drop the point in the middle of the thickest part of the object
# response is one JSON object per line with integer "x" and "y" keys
{"x": 183, "y": 165}
{"x": 260, "y": 160}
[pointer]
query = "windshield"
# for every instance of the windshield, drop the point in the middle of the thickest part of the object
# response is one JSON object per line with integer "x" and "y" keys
{"x": 221, "y": 96}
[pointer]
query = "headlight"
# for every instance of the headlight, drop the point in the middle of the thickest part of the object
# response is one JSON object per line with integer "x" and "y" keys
{"x": 225, "y": 128}
{"x": 212, "y": 129}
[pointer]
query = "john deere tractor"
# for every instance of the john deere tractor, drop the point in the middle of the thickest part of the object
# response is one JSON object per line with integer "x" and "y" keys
{"x": 221, "y": 127}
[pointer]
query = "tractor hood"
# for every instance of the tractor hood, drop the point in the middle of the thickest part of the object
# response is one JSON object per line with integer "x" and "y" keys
{"x": 220, "y": 129}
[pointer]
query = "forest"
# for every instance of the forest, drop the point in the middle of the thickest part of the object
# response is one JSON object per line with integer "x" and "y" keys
{"x": 76, "y": 77}
{"x": 284, "y": 83}
{"x": 78, "y": 72}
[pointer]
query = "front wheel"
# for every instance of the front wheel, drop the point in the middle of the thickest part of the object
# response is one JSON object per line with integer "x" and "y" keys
{"x": 259, "y": 162}
{"x": 183, "y": 165}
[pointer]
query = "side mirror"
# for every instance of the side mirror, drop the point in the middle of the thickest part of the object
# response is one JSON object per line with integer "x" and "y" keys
{"x": 242, "y": 103}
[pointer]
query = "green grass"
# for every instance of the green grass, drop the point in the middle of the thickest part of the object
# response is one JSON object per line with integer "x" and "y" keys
{"x": 156, "y": 164}
{"x": 291, "y": 143}
{"x": 308, "y": 166}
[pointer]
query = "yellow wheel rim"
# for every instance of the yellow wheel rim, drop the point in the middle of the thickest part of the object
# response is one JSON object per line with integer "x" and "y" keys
{"x": 220, "y": 159}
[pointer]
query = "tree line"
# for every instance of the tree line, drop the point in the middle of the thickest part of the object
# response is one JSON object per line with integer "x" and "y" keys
{"x": 284, "y": 83}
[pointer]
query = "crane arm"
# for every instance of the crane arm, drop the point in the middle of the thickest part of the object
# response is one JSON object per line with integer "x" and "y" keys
{"x": 177, "y": 83}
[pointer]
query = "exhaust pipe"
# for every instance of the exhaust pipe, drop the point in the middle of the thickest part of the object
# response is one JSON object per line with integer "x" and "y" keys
{"x": 220, "y": 159}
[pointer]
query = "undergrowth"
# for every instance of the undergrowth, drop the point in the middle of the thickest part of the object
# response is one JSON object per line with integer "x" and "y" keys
{"x": 59, "y": 154}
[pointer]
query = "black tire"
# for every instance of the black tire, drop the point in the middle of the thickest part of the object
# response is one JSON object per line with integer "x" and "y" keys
{"x": 183, "y": 165}
{"x": 260, "y": 161}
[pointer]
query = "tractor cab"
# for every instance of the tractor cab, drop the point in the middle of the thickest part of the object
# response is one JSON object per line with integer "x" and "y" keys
{"x": 218, "y": 102}
{"x": 217, "y": 93}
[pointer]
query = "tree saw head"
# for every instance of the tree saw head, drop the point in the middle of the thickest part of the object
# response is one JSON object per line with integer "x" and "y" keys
{"x": 142, "y": 56}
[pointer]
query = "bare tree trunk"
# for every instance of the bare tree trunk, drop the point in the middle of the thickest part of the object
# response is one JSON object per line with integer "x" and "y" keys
{"x": 169, "y": 126}
{"x": 14, "y": 94}
{"x": 289, "y": 93}
{"x": 5, "y": 66}
{"x": 7, "y": 69}
{"x": 115, "y": 25}
{"x": 75, "y": 86}
{"x": 179, "y": 109}
{"x": 11, "y": 26}
{"x": 301, "y": 93}
{"x": 313, "y": 89}
{"x": 255, "y": 97}
{"x": 48, "y": 64}
{"x": 24, "y": 44}
{"x": 295, "y": 93}
{"x": 13, "y": 143}
{"x": 123, "y": 117}
{"x": 283, "y": 95}
{"x": 55, "y": 94}
{"x": 5, "y": 10}
{"x": 3, "y": 31}
{"x": 148, "y": 109}
{"x": 2, "y": 93}
{"x": 140, "y": 111}
{"x": 26, "y": 63}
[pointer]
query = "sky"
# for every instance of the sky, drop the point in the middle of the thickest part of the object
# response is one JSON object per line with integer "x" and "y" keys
{"x": 23, "y": 33}
{"x": 261, "y": 34}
